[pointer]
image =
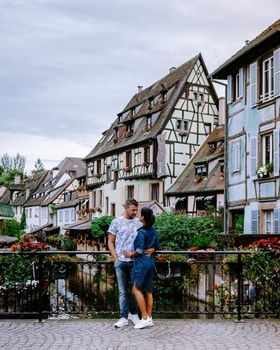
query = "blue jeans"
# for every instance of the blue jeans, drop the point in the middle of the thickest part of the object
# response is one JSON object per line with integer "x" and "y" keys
{"x": 124, "y": 272}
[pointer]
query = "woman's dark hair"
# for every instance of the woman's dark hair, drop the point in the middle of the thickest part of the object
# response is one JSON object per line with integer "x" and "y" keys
{"x": 149, "y": 217}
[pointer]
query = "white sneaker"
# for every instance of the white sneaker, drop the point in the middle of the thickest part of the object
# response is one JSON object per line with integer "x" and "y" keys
{"x": 143, "y": 323}
{"x": 121, "y": 322}
{"x": 151, "y": 321}
{"x": 133, "y": 318}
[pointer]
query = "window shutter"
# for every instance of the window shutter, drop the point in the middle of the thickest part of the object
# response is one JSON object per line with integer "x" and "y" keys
{"x": 237, "y": 155}
{"x": 253, "y": 84}
{"x": 276, "y": 61}
{"x": 276, "y": 225}
{"x": 241, "y": 82}
{"x": 229, "y": 89}
{"x": 276, "y": 153}
{"x": 253, "y": 156}
{"x": 232, "y": 157}
{"x": 254, "y": 221}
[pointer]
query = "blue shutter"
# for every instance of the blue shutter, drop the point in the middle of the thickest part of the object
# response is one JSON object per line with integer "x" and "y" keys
{"x": 229, "y": 89}
{"x": 253, "y": 156}
{"x": 276, "y": 62}
{"x": 276, "y": 225}
{"x": 254, "y": 221}
{"x": 253, "y": 84}
{"x": 241, "y": 82}
{"x": 276, "y": 153}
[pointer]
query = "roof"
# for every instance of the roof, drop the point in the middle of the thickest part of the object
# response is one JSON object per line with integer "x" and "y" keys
{"x": 59, "y": 192}
{"x": 6, "y": 211}
{"x": 154, "y": 205}
{"x": 80, "y": 225}
{"x": 42, "y": 228}
{"x": 186, "y": 182}
{"x": 6, "y": 195}
{"x": 72, "y": 203}
{"x": 72, "y": 164}
{"x": 173, "y": 84}
{"x": 260, "y": 44}
{"x": 7, "y": 239}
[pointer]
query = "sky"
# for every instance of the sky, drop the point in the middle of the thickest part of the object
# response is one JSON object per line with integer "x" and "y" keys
{"x": 67, "y": 67}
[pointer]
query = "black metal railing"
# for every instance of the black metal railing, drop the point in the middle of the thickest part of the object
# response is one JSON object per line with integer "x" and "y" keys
{"x": 186, "y": 284}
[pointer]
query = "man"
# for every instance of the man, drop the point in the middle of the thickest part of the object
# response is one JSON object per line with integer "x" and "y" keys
{"x": 122, "y": 233}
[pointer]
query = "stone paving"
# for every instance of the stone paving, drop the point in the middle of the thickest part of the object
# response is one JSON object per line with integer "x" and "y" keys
{"x": 165, "y": 335}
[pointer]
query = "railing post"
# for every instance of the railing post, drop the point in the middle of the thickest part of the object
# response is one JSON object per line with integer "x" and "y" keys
{"x": 239, "y": 289}
{"x": 40, "y": 274}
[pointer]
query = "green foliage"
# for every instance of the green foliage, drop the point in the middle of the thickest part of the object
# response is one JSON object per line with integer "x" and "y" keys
{"x": 180, "y": 232}
{"x": 39, "y": 166}
{"x": 22, "y": 220}
{"x": 8, "y": 177}
{"x": 53, "y": 208}
{"x": 11, "y": 228}
{"x": 16, "y": 163}
{"x": 67, "y": 243}
{"x": 18, "y": 268}
{"x": 99, "y": 227}
{"x": 55, "y": 241}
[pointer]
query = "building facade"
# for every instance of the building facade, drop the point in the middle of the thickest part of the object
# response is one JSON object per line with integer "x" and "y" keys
{"x": 253, "y": 127}
{"x": 152, "y": 139}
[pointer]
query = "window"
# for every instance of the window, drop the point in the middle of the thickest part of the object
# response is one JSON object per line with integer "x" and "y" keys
{"x": 116, "y": 177}
{"x": 147, "y": 154}
{"x": 26, "y": 212}
{"x": 119, "y": 118}
{"x": 235, "y": 156}
{"x": 100, "y": 198}
{"x": 94, "y": 199}
{"x": 73, "y": 216}
{"x": 155, "y": 192}
{"x": 235, "y": 86}
{"x": 137, "y": 158}
{"x": 90, "y": 169}
{"x": 201, "y": 170}
{"x": 107, "y": 205}
{"x": 151, "y": 102}
{"x": 267, "y": 150}
{"x": 198, "y": 96}
{"x": 267, "y": 79}
{"x": 30, "y": 213}
{"x": 128, "y": 158}
{"x": 66, "y": 215}
{"x": 149, "y": 122}
{"x": 108, "y": 174}
{"x": 60, "y": 215}
{"x": 182, "y": 124}
{"x": 130, "y": 192}
{"x": 67, "y": 196}
{"x": 116, "y": 133}
{"x": 130, "y": 127}
{"x": 113, "y": 209}
{"x": 98, "y": 167}
{"x": 133, "y": 112}
{"x": 268, "y": 221}
{"x": 207, "y": 128}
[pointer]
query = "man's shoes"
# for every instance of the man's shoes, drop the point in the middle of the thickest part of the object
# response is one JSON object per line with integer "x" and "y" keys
{"x": 133, "y": 318}
{"x": 121, "y": 322}
{"x": 143, "y": 323}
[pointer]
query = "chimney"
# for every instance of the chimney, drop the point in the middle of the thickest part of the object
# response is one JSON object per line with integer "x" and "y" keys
{"x": 247, "y": 42}
{"x": 172, "y": 69}
{"x": 17, "y": 179}
{"x": 140, "y": 88}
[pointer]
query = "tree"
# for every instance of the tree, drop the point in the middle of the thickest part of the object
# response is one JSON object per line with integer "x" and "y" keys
{"x": 39, "y": 166}
{"x": 13, "y": 163}
{"x": 11, "y": 166}
{"x": 22, "y": 220}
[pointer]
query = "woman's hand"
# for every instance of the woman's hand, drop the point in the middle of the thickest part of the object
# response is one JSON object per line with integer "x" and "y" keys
{"x": 128, "y": 254}
{"x": 149, "y": 252}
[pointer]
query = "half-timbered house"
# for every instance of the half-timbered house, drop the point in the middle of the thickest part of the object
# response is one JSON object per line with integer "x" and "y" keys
{"x": 152, "y": 139}
{"x": 200, "y": 187}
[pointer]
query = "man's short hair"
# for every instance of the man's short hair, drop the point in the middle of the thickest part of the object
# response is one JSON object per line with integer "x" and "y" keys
{"x": 130, "y": 202}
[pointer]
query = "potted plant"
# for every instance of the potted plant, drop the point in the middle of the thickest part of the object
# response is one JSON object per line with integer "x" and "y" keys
{"x": 265, "y": 171}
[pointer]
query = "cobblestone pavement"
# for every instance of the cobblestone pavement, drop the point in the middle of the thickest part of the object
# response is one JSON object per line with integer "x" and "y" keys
{"x": 165, "y": 335}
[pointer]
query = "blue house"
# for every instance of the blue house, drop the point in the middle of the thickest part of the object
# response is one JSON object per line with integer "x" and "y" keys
{"x": 253, "y": 133}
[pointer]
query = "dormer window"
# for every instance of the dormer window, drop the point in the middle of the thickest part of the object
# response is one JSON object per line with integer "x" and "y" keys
{"x": 151, "y": 102}
{"x": 132, "y": 112}
{"x": 201, "y": 170}
{"x": 149, "y": 122}
{"x": 164, "y": 95}
{"x": 116, "y": 133}
{"x": 120, "y": 117}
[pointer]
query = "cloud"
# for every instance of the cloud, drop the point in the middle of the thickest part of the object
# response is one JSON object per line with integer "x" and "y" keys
{"x": 67, "y": 67}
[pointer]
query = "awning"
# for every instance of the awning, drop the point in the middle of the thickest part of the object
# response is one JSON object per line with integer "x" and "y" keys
{"x": 7, "y": 239}
{"x": 52, "y": 230}
{"x": 41, "y": 228}
{"x": 79, "y": 226}
{"x": 199, "y": 198}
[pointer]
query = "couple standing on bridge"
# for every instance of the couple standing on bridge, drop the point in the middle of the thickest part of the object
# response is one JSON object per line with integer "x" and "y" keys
{"x": 132, "y": 242}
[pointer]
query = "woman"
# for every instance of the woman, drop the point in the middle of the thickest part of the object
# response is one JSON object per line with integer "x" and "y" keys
{"x": 144, "y": 267}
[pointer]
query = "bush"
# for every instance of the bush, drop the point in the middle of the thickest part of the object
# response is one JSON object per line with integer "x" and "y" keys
{"x": 10, "y": 228}
{"x": 67, "y": 243}
{"x": 100, "y": 226}
{"x": 180, "y": 232}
